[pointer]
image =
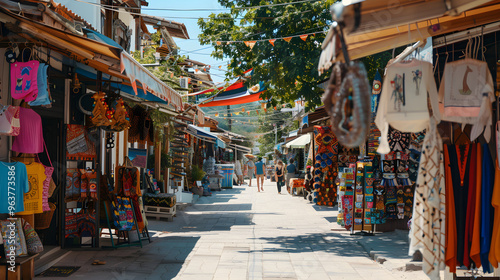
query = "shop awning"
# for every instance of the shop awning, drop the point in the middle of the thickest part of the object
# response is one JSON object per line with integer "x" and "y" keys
{"x": 241, "y": 148}
{"x": 136, "y": 72}
{"x": 384, "y": 26}
{"x": 300, "y": 142}
{"x": 98, "y": 55}
{"x": 202, "y": 134}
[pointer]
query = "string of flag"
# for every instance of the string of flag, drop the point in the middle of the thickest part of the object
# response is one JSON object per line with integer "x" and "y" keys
{"x": 252, "y": 43}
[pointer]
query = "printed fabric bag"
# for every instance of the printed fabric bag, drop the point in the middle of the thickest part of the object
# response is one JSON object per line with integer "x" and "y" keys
{"x": 23, "y": 80}
{"x": 20, "y": 240}
{"x": 9, "y": 120}
{"x": 33, "y": 242}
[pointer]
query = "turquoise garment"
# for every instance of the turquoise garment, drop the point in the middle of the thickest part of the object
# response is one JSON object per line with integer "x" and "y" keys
{"x": 260, "y": 167}
{"x": 15, "y": 176}
{"x": 486, "y": 208}
{"x": 43, "y": 93}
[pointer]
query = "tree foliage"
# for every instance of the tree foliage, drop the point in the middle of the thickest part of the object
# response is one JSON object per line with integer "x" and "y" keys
{"x": 289, "y": 69}
{"x": 284, "y": 124}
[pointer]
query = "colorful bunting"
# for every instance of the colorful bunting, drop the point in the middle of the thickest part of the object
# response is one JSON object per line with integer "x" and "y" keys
{"x": 303, "y": 37}
{"x": 220, "y": 66}
{"x": 248, "y": 113}
{"x": 284, "y": 105}
{"x": 237, "y": 113}
{"x": 216, "y": 114}
{"x": 250, "y": 44}
{"x": 287, "y": 39}
{"x": 272, "y": 41}
{"x": 274, "y": 108}
{"x": 243, "y": 110}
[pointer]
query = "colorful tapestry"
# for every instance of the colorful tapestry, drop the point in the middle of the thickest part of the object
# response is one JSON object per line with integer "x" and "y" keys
{"x": 75, "y": 131}
{"x": 325, "y": 166}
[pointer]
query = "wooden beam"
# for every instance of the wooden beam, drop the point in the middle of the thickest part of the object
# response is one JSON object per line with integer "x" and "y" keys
{"x": 15, "y": 6}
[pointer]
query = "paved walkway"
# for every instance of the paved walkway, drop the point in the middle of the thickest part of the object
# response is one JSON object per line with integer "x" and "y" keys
{"x": 242, "y": 234}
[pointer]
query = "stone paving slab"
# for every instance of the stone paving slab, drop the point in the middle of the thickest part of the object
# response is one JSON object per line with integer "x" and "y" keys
{"x": 242, "y": 234}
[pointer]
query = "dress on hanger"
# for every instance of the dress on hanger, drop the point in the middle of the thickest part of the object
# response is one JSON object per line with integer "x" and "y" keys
{"x": 404, "y": 102}
{"x": 494, "y": 256}
{"x": 486, "y": 208}
{"x": 427, "y": 233}
{"x": 460, "y": 158}
{"x": 451, "y": 229}
{"x": 471, "y": 206}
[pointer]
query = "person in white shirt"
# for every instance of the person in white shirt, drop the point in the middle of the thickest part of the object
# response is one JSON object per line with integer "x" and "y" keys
{"x": 239, "y": 172}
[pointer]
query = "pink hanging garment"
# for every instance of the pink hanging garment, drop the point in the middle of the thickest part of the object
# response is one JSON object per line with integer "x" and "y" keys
{"x": 30, "y": 139}
{"x": 23, "y": 80}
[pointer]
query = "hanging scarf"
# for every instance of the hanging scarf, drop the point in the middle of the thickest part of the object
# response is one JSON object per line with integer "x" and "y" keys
{"x": 427, "y": 233}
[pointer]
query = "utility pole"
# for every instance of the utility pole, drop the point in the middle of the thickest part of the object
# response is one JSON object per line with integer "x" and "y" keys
{"x": 229, "y": 118}
{"x": 275, "y": 134}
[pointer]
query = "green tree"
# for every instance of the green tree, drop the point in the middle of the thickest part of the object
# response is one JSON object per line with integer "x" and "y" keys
{"x": 169, "y": 70}
{"x": 289, "y": 69}
{"x": 285, "y": 124}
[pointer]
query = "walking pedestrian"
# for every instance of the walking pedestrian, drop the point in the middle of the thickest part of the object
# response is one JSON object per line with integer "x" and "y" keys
{"x": 279, "y": 174}
{"x": 290, "y": 173}
{"x": 239, "y": 172}
{"x": 260, "y": 167}
{"x": 251, "y": 170}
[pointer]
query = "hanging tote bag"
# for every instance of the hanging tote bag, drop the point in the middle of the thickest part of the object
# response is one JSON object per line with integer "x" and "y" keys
{"x": 9, "y": 120}
{"x": 43, "y": 98}
{"x": 23, "y": 80}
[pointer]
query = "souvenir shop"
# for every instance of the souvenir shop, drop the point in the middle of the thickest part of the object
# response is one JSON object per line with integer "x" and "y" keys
{"x": 418, "y": 142}
{"x": 64, "y": 140}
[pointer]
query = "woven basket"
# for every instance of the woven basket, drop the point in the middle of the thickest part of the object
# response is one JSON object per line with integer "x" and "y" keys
{"x": 42, "y": 221}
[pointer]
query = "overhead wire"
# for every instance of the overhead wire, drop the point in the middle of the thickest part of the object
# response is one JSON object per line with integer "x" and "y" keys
{"x": 207, "y": 9}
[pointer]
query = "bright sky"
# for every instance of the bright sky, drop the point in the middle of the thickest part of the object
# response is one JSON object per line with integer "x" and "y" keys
{"x": 191, "y": 47}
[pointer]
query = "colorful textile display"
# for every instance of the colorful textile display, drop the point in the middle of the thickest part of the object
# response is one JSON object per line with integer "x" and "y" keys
{"x": 160, "y": 200}
{"x": 325, "y": 167}
{"x": 74, "y": 131}
{"x": 427, "y": 233}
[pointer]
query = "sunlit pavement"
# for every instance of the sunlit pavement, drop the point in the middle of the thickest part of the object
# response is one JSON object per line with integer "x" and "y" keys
{"x": 240, "y": 233}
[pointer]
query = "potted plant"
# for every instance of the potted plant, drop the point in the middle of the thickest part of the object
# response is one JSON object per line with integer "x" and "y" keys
{"x": 197, "y": 174}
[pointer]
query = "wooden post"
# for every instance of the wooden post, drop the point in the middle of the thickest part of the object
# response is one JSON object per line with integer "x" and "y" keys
{"x": 125, "y": 143}
{"x": 157, "y": 151}
{"x": 117, "y": 149}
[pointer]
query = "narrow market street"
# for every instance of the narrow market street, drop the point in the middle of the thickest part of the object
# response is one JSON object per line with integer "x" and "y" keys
{"x": 242, "y": 234}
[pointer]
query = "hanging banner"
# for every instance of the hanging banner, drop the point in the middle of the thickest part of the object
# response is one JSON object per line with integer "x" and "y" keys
{"x": 287, "y": 39}
{"x": 303, "y": 37}
{"x": 272, "y": 41}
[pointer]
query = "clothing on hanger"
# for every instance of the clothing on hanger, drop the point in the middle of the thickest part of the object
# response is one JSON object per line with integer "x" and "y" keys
{"x": 404, "y": 102}
{"x": 466, "y": 94}
{"x": 30, "y": 138}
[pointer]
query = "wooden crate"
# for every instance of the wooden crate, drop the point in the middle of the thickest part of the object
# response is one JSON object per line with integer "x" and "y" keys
{"x": 160, "y": 212}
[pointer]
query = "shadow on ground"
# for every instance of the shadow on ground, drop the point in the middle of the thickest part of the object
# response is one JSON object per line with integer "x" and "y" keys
{"x": 332, "y": 243}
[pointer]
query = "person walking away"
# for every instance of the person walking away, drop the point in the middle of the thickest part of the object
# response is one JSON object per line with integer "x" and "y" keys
{"x": 260, "y": 168}
{"x": 290, "y": 173}
{"x": 238, "y": 171}
{"x": 279, "y": 174}
{"x": 251, "y": 171}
